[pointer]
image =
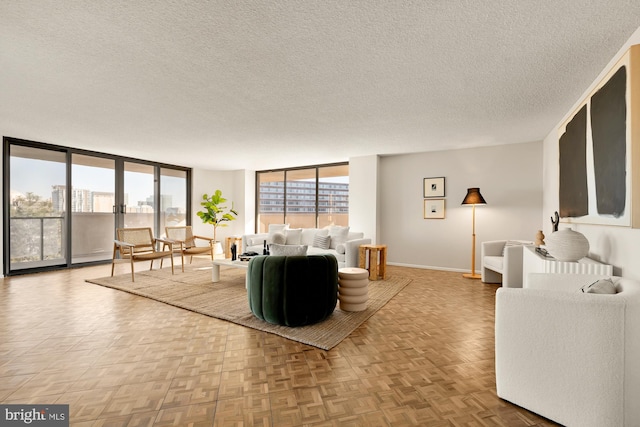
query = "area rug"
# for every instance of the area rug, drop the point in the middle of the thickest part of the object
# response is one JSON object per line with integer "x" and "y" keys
{"x": 227, "y": 300}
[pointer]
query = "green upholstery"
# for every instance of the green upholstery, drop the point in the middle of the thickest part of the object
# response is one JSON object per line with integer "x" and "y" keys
{"x": 293, "y": 290}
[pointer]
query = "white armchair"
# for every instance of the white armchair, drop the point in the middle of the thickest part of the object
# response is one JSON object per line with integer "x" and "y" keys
{"x": 502, "y": 262}
{"x": 570, "y": 356}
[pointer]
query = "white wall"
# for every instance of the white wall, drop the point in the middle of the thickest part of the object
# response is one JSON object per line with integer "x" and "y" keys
{"x": 364, "y": 198}
{"x": 245, "y": 193}
{"x": 509, "y": 178}
{"x": 231, "y": 184}
{"x": 614, "y": 245}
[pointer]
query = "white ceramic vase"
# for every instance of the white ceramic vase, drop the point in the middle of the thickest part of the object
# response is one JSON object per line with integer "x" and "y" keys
{"x": 567, "y": 245}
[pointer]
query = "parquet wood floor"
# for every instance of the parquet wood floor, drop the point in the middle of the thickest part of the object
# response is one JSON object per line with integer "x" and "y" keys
{"x": 426, "y": 358}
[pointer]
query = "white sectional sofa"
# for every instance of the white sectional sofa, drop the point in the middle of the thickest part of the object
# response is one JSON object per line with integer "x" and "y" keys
{"x": 342, "y": 242}
{"x": 570, "y": 356}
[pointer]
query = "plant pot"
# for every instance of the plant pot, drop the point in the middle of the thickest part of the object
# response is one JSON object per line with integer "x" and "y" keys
{"x": 218, "y": 251}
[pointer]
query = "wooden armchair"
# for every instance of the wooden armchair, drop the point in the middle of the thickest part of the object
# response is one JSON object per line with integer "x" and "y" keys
{"x": 185, "y": 242}
{"x": 137, "y": 244}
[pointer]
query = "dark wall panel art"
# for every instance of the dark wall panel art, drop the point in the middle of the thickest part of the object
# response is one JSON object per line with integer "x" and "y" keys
{"x": 609, "y": 135}
{"x": 574, "y": 196}
{"x": 597, "y": 166}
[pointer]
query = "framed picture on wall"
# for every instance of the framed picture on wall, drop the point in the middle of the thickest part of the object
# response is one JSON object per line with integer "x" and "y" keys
{"x": 434, "y": 209}
{"x": 433, "y": 187}
{"x": 595, "y": 184}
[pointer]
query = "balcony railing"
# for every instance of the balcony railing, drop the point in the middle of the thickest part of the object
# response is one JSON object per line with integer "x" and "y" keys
{"x": 37, "y": 240}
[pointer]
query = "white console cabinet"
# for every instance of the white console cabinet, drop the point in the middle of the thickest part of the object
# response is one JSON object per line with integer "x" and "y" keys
{"x": 533, "y": 262}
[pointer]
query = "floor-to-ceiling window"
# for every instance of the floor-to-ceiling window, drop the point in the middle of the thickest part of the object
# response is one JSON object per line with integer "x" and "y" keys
{"x": 173, "y": 198}
{"x": 92, "y": 207}
{"x": 301, "y": 195}
{"x": 139, "y": 207}
{"x": 270, "y": 199}
{"x": 37, "y": 206}
{"x": 333, "y": 195}
{"x": 314, "y": 196}
{"x": 62, "y": 205}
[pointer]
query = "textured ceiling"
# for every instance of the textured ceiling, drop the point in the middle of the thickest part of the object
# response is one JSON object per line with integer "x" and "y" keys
{"x": 258, "y": 85}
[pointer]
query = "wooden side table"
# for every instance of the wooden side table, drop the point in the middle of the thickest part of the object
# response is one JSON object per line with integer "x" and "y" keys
{"x": 375, "y": 256}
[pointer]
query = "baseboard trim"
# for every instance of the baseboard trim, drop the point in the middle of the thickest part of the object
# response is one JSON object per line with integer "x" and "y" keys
{"x": 428, "y": 267}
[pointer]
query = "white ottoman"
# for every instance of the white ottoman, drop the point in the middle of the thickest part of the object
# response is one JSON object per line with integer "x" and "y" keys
{"x": 353, "y": 288}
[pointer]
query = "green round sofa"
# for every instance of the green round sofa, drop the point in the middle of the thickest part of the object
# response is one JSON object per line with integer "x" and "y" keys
{"x": 292, "y": 290}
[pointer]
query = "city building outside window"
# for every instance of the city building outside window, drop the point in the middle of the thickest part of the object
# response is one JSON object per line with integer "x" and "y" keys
{"x": 307, "y": 197}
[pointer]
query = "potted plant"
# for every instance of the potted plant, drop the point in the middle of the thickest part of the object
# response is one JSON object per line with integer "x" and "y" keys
{"x": 215, "y": 212}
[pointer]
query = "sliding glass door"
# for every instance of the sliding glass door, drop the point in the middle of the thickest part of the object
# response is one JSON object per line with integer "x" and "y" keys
{"x": 37, "y": 220}
{"x": 173, "y": 198}
{"x": 139, "y": 201}
{"x": 92, "y": 207}
{"x": 64, "y": 204}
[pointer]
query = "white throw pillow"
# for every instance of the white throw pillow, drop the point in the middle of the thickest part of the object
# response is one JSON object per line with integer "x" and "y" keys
{"x": 273, "y": 229}
{"x": 279, "y": 238}
{"x": 338, "y": 235}
{"x": 293, "y": 236}
{"x": 307, "y": 236}
{"x": 341, "y": 248}
{"x": 602, "y": 286}
{"x": 287, "y": 250}
{"x": 322, "y": 242}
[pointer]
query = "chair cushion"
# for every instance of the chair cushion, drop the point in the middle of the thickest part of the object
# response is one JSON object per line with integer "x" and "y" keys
{"x": 197, "y": 250}
{"x": 495, "y": 263}
{"x": 318, "y": 251}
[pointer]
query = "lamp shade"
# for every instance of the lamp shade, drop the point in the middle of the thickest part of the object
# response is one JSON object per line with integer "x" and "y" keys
{"x": 473, "y": 197}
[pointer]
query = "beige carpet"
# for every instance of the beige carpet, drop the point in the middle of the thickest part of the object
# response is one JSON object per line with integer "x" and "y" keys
{"x": 227, "y": 300}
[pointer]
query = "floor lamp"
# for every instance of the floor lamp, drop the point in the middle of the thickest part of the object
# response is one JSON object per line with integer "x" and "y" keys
{"x": 473, "y": 198}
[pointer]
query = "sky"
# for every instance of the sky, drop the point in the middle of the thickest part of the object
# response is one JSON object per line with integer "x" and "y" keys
{"x": 38, "y": 176}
